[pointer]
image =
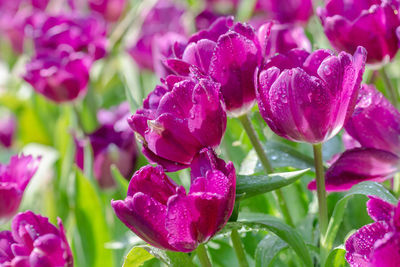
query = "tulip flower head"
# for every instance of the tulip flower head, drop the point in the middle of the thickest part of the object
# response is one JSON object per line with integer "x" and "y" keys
{"x": 308, "y": 97}
{"x": 111, "y": 10}
{"x": 34, "y": 241}
{"x": 376, "y": 244}
{"x": 112, "y": 143}
{"x": 229, "y": 53}
{"x": 14, "y": 178}
{"x": 164, "y": 17}
{"x": 164, "y": 215}
{"x": 180, "y": 117}
{"x": 281, "y": 38}
{"x": 374, "y": 130}
{"x": 286, "y": 11}
{"x": 371, "y": 24}
{"x": 8, "y": 126}
{"x": 59, "y": 75}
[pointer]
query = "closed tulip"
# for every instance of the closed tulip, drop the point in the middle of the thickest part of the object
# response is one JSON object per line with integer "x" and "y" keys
{"x": 308, "y": 97}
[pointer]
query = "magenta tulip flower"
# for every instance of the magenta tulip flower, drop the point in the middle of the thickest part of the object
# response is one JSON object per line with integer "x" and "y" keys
{"x": 376, "y": 244}
{"x": 371, "y": 24}
{"x": 34, "y": 241}
{"x": 286, "y": 11}
{"x": 164, "y": 17}
{"x": 165, "y": 216}
{"x": 375, "y": 137}
{"x": 14, "y": 178}
{"x": 178, "y": 119}
{"x": 230, "y": 53}
{"x": 82, "y": 33}
{"x": 309, "y": 97}
{"x": 112, "y": 143}
{"x": 281, "y": 38}
{"x": 59, "y": 75}
{"x": 8, "y": 125}
{"x": 111, "y": 10}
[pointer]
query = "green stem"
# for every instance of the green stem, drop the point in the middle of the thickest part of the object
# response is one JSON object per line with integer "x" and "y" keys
{"x": 237, "y": 245}
{"x": 391, "y": 90}
{"x": 321, "y": 193}
{"x": 244, "y": 119}
{"x": 203, "y": 257}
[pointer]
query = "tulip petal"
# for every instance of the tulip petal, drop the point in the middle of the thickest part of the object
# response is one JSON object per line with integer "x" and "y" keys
{"x": 380, "y": 210}
{"x": 359, "y": 165}
{"x": 360, "y": 245}
{"x": 375, "y": 122}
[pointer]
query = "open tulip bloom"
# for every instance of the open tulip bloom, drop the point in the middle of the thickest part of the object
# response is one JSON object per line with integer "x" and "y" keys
{"x": 199, "y": 133}
{"x": 164, "y": 215}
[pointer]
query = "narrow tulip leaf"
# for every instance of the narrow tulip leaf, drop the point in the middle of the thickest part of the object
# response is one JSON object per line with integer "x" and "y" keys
{"x": 121, "y": 181}
{"x": 280, "y": 155}
{"x": 257, "y": 222}
{"x": 268, "y": 249}
{"x": 170, "y": 258}
{"x": 336, "y": 258}
{"x": 136, "y": 257}
{"x": 249, "y": 186}
{"x": 364, "y": 188}
{"x": 92, "y": 229}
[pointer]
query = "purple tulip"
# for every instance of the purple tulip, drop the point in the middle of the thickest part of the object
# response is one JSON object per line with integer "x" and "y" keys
{"x": 308, "y": 97}
{"x": 111, "y": 10}
{"x": 371, "y": 24}
{"x": 59, "y": 75}
{"x": 230, "y": 53}
{"x": 178, "y": 119}
{"x": 14, "y": 178}
{"x": 286, "y": 11}
{"x": 376, "y": 244}
{"x": 8, "y": 126}
{"x": 83, "y": 34}
{"x": 168, "y": 45}
{"x": 34, "y": 241}
{"x": 281, "y": 38}
{"x": 375, "y": 126}
{"x": 164, "y": 17}
{"x": 112, "y": 143}
{"x": 205, "y": 19}
{"x": 165, "y": 216}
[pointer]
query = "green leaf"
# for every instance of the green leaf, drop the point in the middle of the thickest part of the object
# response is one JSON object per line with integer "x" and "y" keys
{"x": 257, "y": 222}
{"x": 92, "y": 229}
{"x": 170, "y": 258}
{"x": 136, "y": 257}
{"x": 248, "y": 186}
{"x": 364, "y": 188}
{"x": 268, "y": 249}
{"x": 280, "y": 155}
{"x": 336, "y": 258}
{"x": 121, "y": 181}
